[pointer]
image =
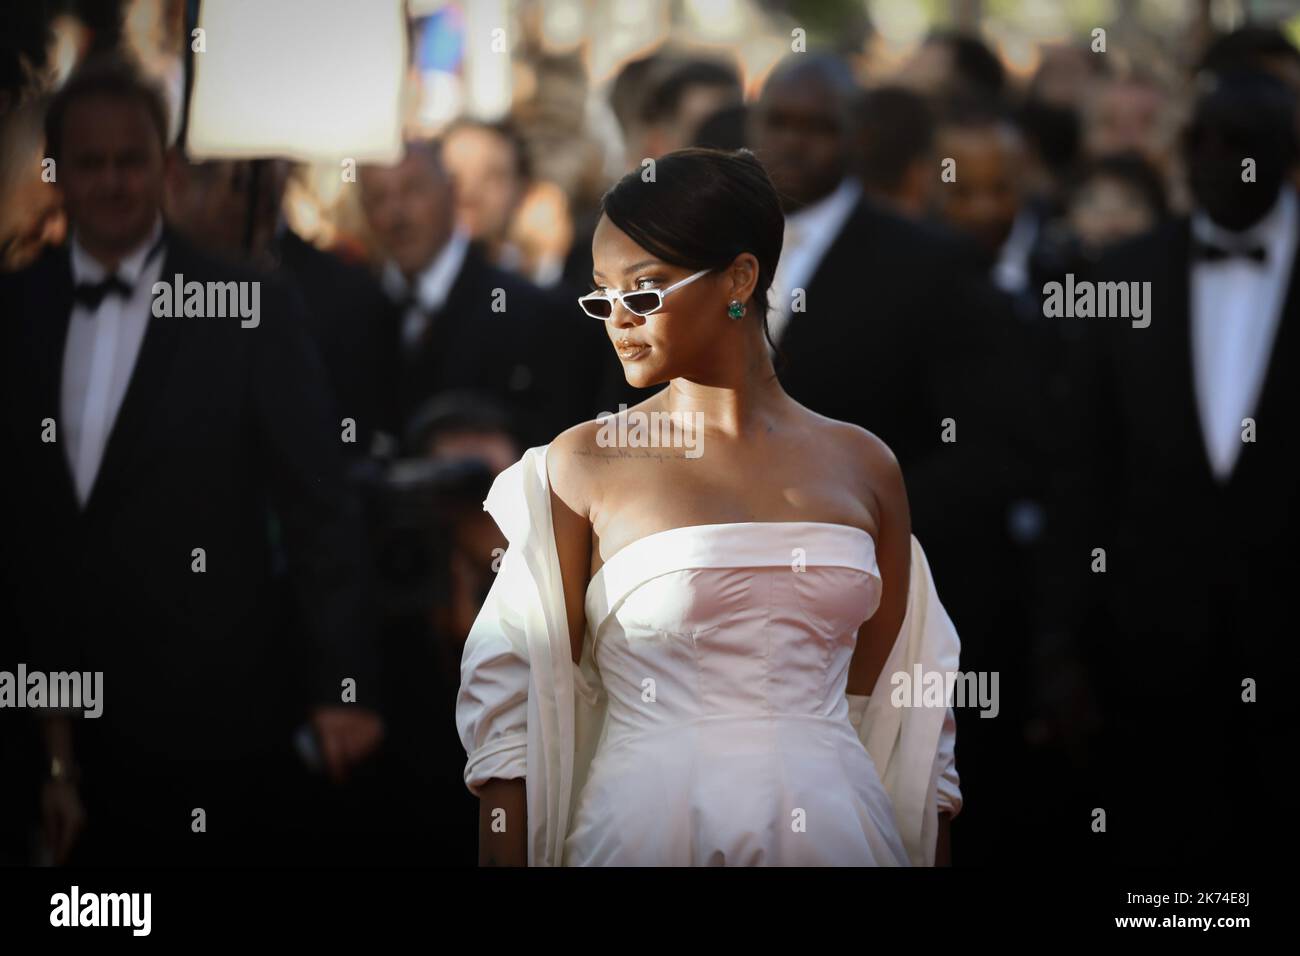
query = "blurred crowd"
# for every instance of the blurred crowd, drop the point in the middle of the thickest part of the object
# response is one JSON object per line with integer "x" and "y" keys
{"x": 927, "y": 208}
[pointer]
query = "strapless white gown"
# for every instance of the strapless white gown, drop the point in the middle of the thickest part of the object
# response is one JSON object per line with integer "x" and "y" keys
{"x": 707, "y": 722}
{"x": 724, "y": 650}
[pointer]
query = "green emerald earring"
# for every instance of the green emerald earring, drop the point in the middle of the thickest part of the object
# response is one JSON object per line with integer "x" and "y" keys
{"x": 735, "y": 309}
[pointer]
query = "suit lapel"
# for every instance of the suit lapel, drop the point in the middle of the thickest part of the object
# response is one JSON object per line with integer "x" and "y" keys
{"x": 1272, "y": 401}
{"x": 143, "y": 399}
{"x": 843, "y": 256}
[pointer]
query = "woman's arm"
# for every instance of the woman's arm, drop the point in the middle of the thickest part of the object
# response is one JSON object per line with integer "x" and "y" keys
{"x": 943, "y": 850}
{"x": 503, "y": 823}
{"x": 569, "y": 478}
{"x": 886, "y": 495}
{"x": 877, "y": 636}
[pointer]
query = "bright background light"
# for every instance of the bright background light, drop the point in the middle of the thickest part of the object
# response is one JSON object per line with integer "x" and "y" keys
{"x": 314, "y": 80}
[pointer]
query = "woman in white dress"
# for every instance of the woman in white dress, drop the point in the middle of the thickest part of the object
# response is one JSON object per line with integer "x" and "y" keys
{"x": 686, "y": 656}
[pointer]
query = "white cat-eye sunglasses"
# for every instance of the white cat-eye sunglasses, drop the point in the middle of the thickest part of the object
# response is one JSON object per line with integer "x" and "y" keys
{"x": 600, "y": 305}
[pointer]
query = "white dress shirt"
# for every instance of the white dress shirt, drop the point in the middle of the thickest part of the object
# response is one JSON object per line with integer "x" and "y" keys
{"x": 808, "y": 234}
{"x": 99, "y": 356}
{"x": 1011, "y": 271}
{"x": 432, "y": 286}
{"x": 1236, "y": 306}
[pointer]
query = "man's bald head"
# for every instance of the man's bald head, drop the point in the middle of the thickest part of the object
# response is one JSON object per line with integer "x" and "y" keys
{"x": 801, "y": 126}
{"x": 823, "y": 72}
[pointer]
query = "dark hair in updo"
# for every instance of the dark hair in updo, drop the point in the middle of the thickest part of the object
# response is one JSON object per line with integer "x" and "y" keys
{"x": 704, "y": 208}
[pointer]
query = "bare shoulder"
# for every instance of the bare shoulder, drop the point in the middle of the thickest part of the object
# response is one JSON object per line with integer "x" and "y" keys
{"x": 867, "y": 455}
{"x": 864, "y": 448}
{"x": 570, "y": 466}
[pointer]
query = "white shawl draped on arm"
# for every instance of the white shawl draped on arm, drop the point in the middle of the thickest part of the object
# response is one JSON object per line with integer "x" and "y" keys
{"x": 525, "y": 709}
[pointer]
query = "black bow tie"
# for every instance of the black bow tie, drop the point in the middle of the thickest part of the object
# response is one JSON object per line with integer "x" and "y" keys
{"x": 1212, "y": 253}
{"x": 91, "y": 294}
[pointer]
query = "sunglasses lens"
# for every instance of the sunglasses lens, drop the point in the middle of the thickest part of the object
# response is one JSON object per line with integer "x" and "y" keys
{"x": 642, "y": 303}
{"x": 597, "y": 308}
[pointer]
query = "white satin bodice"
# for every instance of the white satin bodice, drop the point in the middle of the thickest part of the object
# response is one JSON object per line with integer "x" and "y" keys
{"x": 753, "y": 618}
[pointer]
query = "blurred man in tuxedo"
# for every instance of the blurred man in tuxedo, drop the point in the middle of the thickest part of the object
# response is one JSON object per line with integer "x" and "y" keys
{"x": 1192, "y": 491}
{"x": 155, "y": 456}
{"x": 465, "y": 323}
{"x": 984, "y": 198}
{"x": 489, "y": 166}
{"x": 985, "y": 202}
{"x": 514, "y": 219}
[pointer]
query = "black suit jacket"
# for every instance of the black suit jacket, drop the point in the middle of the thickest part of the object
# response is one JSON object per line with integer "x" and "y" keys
{"x": 1151, "y": 492}
{"x": 538, "y": 356}
{"x": 225, "y": 437}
